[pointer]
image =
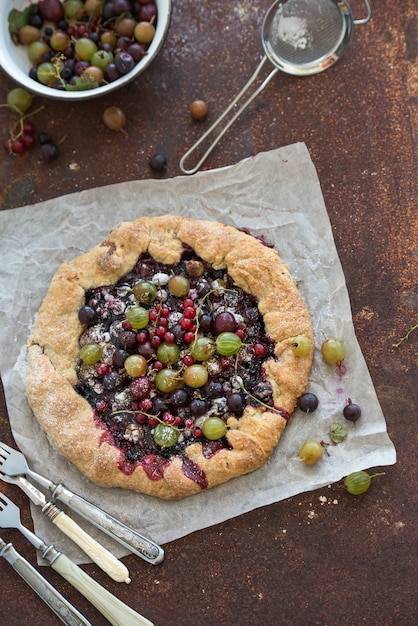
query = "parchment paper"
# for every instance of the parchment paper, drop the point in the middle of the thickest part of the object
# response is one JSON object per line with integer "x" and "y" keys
{"x": 276, "y": 194}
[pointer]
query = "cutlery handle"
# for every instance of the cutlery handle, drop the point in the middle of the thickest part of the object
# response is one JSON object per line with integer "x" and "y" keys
{"x": 102, "y": 557}
{"x": 134, "y": 541}
{"x": 56, "y": 602}
{"x": 118, "y": 613}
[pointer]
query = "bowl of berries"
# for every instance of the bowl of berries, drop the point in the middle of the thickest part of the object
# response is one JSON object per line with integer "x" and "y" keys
{"x": 79, "y": 49}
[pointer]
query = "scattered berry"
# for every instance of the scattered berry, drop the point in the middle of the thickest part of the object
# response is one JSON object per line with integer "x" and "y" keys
{"x": 114, "y": 118}
{"x": 308, "y": 402}
{"x": 158, "y": 162}
{"x": 199, "y": 109}
{"x": 351, "y": 411}
{"x": 333, "y": 351}
{"x": 49, "y": 151}
{"x": 20, "y": 99}
{"x": 357, "y": 483}
{"x": 311, "y": 452}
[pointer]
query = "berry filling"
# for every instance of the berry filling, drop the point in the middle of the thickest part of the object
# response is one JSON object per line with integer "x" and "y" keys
{"x": 167, "y": 355}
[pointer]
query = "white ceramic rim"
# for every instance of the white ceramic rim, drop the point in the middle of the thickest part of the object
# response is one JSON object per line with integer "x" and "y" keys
{"x": 15, "y": 63}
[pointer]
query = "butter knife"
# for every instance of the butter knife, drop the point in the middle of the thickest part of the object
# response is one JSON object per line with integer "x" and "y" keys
{"x": 102, "y": 557}
{"x": 56, "y": 602}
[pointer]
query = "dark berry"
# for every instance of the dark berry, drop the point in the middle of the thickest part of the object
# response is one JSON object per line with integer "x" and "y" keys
{"x": 36, "y": 20}
{"x": 351, "y": 411}
{"x": 308, "y": 402}
{"x": 124, "y": 62}
{"x": 49, "y": 151}
{"x": 158, "y": 162}
{"x": 112, "y": 381}
{"x": 198, "y": 407}
{"x": 235, "y": 402}
{"x": 44, "y": 138}
{"x": 87, "y": 315}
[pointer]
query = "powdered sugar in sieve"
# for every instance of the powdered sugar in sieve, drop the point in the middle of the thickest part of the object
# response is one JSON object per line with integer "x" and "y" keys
{"x": 303, "y": 31}
{"x": 293, "y": 31}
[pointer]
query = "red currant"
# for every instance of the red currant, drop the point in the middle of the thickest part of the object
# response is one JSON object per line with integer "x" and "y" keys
{"x": 225, "y": 362}
{"x": 168, "y": 417}
{"x": 186, "y": 323}
{"x": 126, "y": 325}
{"x": 165, "y": 312}
{"x": 145, "y": 404}
{"x": 102, "y": 369}
{"x": 188, "y": 337}
{"x": 28, "y": 128}
{"x": 169, "y": 337}
{"x": 155, "y": 341}
{"x": 240, "y": 332}
{"x": 160, "y": 331}
{"x": 259, "y": 350}
{"x": 158, "y": 366}
{"x": 141, "y": 418}
{"x": 189, "y": 312}
{"x": 18, "y": 146}
{"x": 152, "y": 422}
{"x": 188, "y": 360}
{"x": 198, "y": 432}
{"x": 102, "y": 406}
{"x": 153, "y": 315}
{"x": 28, "y": 140}
{"x": 142, "y": 337}
{"x": 188, "y": 302}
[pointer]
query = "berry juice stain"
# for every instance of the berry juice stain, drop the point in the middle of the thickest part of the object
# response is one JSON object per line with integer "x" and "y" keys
{"x": 341, "y": 370}
{"x": 194, "y": 472}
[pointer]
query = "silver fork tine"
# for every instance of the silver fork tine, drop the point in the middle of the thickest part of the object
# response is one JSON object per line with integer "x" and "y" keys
{"x": 13, "y": 460}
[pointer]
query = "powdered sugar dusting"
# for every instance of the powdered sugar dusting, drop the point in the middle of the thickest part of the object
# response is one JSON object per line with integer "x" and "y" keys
{"x": 294, "y": 31}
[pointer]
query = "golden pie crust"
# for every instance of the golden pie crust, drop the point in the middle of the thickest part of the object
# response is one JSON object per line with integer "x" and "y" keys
{"x": 53, "y": 351}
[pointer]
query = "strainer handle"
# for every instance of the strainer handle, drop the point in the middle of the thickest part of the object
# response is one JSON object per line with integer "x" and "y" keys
{"x": 224, "y": 114}
{"x": 364, "y": 20}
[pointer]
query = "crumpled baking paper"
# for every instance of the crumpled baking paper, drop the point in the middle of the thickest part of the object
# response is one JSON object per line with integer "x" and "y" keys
{"x": 276, "y": 194}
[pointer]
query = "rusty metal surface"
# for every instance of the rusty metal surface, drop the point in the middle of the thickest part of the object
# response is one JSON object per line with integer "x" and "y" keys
{"x": 322, "y": 558}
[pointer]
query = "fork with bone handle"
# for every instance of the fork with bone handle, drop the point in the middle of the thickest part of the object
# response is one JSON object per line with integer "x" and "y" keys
{"x": 13, "y": 463}
{"x": 116, "y": 612}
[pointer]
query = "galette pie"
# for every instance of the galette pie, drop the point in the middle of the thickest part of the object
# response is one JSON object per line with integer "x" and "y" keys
{"x": 169, "y": 358}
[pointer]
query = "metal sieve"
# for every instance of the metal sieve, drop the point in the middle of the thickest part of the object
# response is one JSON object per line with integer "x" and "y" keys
{"x": 299, "y": 37}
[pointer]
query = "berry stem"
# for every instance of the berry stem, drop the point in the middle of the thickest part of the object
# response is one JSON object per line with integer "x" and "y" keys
{"x": 16, "y": 131}
{"x": 405, "y": 337}
{"x": 267, "y": 406}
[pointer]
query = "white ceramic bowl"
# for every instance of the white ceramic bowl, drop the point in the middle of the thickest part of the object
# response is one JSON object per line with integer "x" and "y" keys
{"x": 15, "y": 63}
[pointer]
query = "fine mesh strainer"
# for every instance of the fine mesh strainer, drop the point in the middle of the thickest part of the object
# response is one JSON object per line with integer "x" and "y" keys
{"x": 299, "y": 37}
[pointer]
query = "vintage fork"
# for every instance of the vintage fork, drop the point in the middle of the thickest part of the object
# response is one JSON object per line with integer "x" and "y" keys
{"x": 13, "y": 463}
{"x": 102, "y": 557}
{"x": 118, "y": 613}
{"x": 63, "y": 609}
